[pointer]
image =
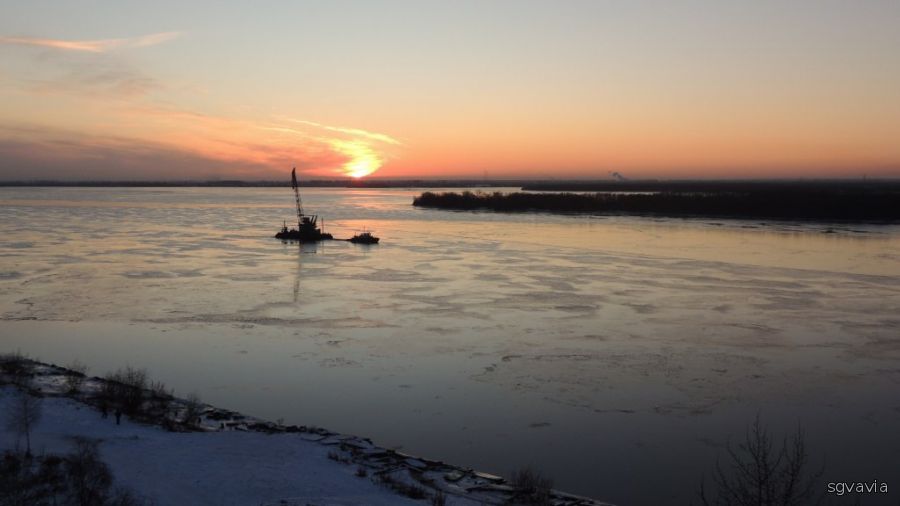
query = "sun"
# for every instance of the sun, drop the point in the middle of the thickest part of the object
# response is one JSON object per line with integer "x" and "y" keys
{"x": 362, "y": 158}
{"x": 361, "y": 167}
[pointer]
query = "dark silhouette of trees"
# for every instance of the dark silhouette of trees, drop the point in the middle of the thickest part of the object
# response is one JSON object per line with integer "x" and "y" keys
{"x": 89, "y": 478}
{"x": 531, "y": 487}
{"x": 789, "y": 203}
{"x": 15, "y": 368}
{"x": 75, "y": 375}
{"x": 23, "y": 415}
{"x": 192, "y": 409}
{"x": 79, "y": 478}
{"x": 759, "y": 473}
{"x": 126, "y": 389}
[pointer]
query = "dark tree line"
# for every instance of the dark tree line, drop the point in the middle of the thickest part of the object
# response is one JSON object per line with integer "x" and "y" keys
{"x": 79, "y": 478}
{"x": 816, "y": 204}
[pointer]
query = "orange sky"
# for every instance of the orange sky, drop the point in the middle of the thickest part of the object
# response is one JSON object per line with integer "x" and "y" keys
{"x": 415, "y": 89}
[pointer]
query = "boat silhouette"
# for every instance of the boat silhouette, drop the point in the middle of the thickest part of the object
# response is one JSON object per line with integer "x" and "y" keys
{"x": 364, "y": 238}
{"x": 307, "y": 224}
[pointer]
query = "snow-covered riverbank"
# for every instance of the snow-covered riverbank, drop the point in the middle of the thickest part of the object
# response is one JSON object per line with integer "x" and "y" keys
{"x": 225, "y": 458}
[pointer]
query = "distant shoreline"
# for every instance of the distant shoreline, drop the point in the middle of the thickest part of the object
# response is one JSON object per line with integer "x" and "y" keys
{"x": 323, "y": 183}
{"x": 817, "y": 204}
{"x": 649, "y": 185}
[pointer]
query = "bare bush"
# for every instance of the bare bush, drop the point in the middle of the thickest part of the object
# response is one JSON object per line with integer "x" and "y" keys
{"x": 760, "y": 474}
{"x": 192, "y": 409}
{"x": 75, "y": 376}
{"x": 23, "y": 415}
{"x": 125, "y": 389}
{"x": 77, "y": 479}
{"x": 29, "y": 481}
{"x": 439, "y": 499}
{"x": 89, "y": 478}
{"x": 531, "y": 486}
{"x": 16, "y": 367}
{"x": 160, "y": 398}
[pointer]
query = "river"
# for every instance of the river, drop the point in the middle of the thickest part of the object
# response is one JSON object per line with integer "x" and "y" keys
{"x": 617, "y": 355}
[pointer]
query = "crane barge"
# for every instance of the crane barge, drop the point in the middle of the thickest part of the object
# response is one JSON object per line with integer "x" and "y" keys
{"x": 307, "y": 224}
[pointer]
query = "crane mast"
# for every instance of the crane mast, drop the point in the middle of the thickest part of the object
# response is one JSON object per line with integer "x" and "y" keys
{"x": 306, "y": 230}
{"x": 297, "y": 197}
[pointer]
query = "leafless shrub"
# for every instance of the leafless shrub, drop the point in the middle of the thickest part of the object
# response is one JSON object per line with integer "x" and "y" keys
{"x": 338, "y": 457}
{"x": 16, "y": 367}
{"x": 77, "y": 479}
{"x": 192, "y": 409}
{"x": 125, "y": 389}
{"x": 89, "y": 478}
{"x": 382, "y": 478}
{"x": 531, "y": 486}
{"x": 158, "y": 389}
{"x": 762, "y": 475}
{"x": 361, "y": 472}
{"x": 26, "y": 480}
{"x": 439, "y": 499}
{"x": 75, "y": 376}
{"x": 413, "y": 491}
{"x": 160, "y": 398}
{"x": 23, "y": 415}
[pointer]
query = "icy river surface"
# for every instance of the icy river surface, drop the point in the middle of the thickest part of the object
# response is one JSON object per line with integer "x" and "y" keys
{"x": 616, "y": 355}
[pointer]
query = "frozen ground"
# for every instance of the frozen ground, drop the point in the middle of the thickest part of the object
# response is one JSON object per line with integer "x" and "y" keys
{"x": 231, "y": 459}
{"x": 220, "y": 468}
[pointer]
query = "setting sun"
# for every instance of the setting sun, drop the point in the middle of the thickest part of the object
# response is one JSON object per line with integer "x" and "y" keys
{"x": 363, "y": 159}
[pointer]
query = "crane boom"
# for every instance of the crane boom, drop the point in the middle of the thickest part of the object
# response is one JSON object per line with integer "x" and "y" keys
{"x": 297, "y": 196}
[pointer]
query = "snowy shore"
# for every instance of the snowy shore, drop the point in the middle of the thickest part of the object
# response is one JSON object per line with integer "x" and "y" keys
{"x": 225, "y": 458}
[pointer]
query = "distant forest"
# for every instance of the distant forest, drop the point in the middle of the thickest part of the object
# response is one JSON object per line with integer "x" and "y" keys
{"x": 797, "y": 202}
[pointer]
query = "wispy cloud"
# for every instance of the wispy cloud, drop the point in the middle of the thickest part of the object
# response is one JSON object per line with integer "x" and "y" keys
{"x": 32, "y": 152}
{"x": 350, "y": 131}
{"x": 365, "y": 151}
{"x": 100, "y": 78}
{"x": 93, "y": 46}
{"x": 89, "y": 68}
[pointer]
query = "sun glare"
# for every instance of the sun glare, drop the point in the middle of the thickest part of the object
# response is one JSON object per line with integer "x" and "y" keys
{"x": 360, "y": 168}
{"x": 363, "y": 159}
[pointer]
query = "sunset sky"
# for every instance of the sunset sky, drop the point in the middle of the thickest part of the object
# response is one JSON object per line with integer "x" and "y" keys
{"x": 552, "y": 89}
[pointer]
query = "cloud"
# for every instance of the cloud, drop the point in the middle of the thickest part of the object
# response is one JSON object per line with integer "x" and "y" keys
{"x": 93, "y": 46}
{"x": 86, "y": 67}
{"x": 100, "y": 77}
{"x": 351, "y": 131}
{"x": 365, "y": 151}
{"x": 194, "y": 146}
{"x": 29, "y": 153}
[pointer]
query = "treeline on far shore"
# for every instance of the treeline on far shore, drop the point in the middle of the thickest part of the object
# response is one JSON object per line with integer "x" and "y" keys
{"x": 813, "y": 204}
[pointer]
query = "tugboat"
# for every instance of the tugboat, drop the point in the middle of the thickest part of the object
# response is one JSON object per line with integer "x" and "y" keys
{"x": 307, "y": 229}
{"x": 364, "y": 238}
